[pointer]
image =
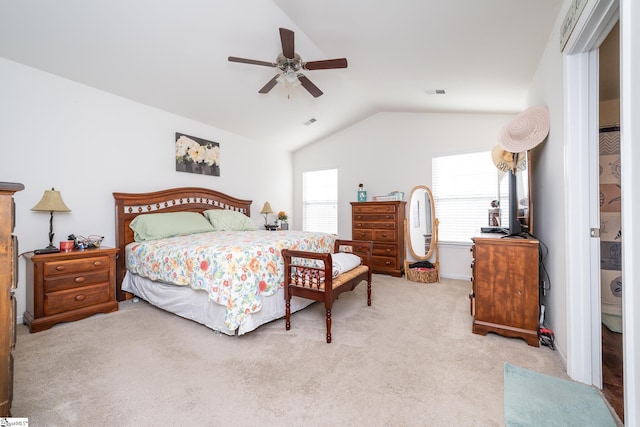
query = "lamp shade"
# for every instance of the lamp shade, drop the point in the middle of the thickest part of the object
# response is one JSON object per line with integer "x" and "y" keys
{"x": 266, "y": 209}
{"x": 51, "y": 202}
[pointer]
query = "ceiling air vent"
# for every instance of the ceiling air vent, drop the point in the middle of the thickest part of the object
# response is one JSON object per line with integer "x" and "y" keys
{"x": 436, "y": 92}
{"x": 308, "y": 122}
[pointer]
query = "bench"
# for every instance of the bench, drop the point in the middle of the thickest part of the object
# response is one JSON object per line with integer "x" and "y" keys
{"x": 310, "y": 275}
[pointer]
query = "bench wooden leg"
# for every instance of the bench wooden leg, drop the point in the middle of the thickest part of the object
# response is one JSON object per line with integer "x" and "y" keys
{"x": 328, "y": 325}
{"x": 368, "y": 292}
{"x": 287, "y": 322}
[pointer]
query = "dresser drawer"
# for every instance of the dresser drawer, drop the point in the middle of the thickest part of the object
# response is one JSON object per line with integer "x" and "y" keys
{"x": 52, "y": 284}
{"x": 372, "y": 208}
{"x": 385, "y": 217}
{"x": 385, "y": 250}
{"x": 71, "y": 299}
{"x": 375, "y": 235}
{"x": 384, "y": 225}
{"x": 362, "y": 234}
{"x": 384, "y": 263}
{"x": 384, "y": 236}
{"x": 80, "y": 265}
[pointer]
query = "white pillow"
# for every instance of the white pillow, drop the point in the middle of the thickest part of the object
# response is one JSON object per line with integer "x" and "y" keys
{"x": 343, "y": 262}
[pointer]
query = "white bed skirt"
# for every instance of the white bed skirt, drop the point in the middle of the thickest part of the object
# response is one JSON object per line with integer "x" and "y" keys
{"x": 194, "y": 304}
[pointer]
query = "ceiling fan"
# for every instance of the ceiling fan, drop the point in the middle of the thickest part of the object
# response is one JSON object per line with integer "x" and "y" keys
{"x": 290, "y": 64}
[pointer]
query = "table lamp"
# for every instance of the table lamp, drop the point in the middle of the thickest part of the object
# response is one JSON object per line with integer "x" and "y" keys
{"x": 266, "y": 210}
{"x": 51, "y": 202}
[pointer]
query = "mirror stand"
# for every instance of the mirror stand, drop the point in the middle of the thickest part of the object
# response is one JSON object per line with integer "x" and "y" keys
{"x": 421, "y": 231}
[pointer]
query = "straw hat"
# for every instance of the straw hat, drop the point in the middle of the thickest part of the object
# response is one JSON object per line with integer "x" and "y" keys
{"x": 505, "y": 160}
{"x": 526, "y": 130}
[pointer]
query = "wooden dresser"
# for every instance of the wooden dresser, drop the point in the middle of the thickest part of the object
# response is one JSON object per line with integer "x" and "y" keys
{"x": 382, "y": 223}
{"x": 69, "y": 286}
{"x": 8, "y": 282}
{"x": 505, "y": 295}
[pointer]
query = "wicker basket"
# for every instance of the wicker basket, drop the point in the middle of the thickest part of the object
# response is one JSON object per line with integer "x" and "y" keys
{"x": 424, "y": 275}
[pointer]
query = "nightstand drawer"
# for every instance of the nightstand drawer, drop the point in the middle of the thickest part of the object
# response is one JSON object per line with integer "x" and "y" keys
{"x": 81, "y": 265}
{"x": 71, "y": 299}
{"x": 67, "y": 282}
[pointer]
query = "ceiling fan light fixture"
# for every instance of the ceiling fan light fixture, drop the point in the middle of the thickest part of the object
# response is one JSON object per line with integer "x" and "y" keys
{"x": 289, "y": 77}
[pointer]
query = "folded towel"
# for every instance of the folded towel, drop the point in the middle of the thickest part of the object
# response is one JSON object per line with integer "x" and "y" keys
{"x": 343, "y": 262}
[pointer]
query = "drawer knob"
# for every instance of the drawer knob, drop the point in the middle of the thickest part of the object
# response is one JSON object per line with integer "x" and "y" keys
{"x": 80, "y": 297}
{"x": 79, "y": 279}
{"x": 97, "y": 263}
{"x": 59, "y": 267}
{"x": 388, "y": 250}
{"x": 388, "y": 263}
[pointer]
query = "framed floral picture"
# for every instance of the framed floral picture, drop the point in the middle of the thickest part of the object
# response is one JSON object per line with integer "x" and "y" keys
{"x": 197, "y": 155}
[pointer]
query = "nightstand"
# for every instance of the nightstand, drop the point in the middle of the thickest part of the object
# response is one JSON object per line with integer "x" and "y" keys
{"x": 68, "y": 286}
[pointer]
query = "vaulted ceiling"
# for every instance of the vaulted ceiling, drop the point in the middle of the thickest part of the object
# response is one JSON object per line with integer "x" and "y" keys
{"x": 172, "y": 55}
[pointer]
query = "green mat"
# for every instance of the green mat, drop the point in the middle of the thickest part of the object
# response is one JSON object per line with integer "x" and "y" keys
{"x": 534, "y": 399}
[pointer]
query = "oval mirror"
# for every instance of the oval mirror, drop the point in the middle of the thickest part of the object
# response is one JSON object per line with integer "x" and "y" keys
{"x": 420, "y": 226}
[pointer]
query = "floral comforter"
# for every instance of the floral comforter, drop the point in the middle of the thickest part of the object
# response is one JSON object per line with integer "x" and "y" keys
{"x": 237, "y": 268}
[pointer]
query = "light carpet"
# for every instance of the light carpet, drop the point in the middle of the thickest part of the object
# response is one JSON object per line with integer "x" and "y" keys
{"x": 535, "y": 399}
{"x": 408, "y": 360}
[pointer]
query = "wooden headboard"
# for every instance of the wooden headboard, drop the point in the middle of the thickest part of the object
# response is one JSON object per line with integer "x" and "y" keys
{"x": 186, "y": 199}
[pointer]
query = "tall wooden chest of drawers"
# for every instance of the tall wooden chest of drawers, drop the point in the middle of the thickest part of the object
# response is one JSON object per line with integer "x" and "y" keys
{"x": 382, "y": 223}
{"x": 505, "y": 295}
{"x": 8, "y": 282}
{"x": 68, "y": 286}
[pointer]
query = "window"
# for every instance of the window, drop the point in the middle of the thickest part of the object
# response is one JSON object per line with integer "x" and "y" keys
{"x": 320, "y": 201}
{"x": 463, "y": 187}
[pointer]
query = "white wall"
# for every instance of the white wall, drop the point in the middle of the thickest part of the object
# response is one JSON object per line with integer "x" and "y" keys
{"x": 88, "y": 144}
{"x": 548, "y": 178}
{"x": 393, "y": 151}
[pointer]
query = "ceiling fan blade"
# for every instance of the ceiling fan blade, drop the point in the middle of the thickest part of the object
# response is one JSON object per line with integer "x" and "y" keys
{"x": 326, "y": 64}
{"x": 306, "y": 83}
{"x": 270, "y": 84}
{"x": 252, "y": 61}
{"x": 288, "y": 45}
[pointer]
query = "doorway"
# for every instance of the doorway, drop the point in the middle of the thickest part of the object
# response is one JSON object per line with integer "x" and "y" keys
{"x": 611, "y": 220}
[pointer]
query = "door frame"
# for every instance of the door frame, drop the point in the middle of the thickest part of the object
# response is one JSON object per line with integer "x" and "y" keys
{"x": 593, "y": 26}
{"x": 584, "y": 334}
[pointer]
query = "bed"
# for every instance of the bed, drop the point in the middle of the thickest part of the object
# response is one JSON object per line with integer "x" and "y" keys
{"x": 230, "y": 281}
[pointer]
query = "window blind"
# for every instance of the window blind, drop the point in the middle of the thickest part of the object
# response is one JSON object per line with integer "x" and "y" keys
{"x": 463, "y": 187}
{"x": 320, "y": 201}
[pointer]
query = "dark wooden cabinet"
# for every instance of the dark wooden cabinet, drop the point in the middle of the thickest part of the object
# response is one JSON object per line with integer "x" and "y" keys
{"x": 505, "y": 295}
{"x": 69, "y": 286}
{"x": 382, "y": 223}
{"x": 8, "y": 282}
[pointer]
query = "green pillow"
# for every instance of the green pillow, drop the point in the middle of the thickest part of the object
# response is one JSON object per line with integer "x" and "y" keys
{"x": 227, "y": 220}
{"x": 162, "y": 225}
